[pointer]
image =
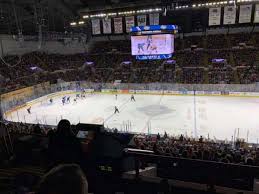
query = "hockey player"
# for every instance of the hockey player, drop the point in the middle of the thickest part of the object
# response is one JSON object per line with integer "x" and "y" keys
{"x": 29, "y": 110}
{"x": 116, "y": 96}
{"x": 132, "y": 98}
{"x": 82, "y": 95}
{"x": 51, "y": 101}
{"x": 116, "y": 110}
{"x": 68, "y": 99}
{"x": 63, "y": 101}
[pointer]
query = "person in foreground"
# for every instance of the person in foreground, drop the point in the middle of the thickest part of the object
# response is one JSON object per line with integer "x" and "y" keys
{"x": 64, "y": 147}
{"x": 64, "y": 179}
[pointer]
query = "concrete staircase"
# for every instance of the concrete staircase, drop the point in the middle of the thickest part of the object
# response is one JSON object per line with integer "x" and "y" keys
{"x": 178, "y": 75}
{"x": 236, "y": 78}
{"x": 206, "y": 75}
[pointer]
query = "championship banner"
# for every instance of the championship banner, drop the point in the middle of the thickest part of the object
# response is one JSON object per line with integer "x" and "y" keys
{"x": 142, "y": 20}
{"x": 245, "y": 13}
{"x": 154, "y": 19}
{"x": 118, "y": 25}
{"x": 256, "y": 16}
{"x": 214, "y": 16}
{"x": 229, "y": 15}
{"x": 107, "y": 27}
{"x": 130, "y": 22}
{"x": 96, "y": 28}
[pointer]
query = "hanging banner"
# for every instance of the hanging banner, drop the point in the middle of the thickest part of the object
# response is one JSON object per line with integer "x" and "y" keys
{"x": 154, "y": 19}
{"x": 96, "y": 28}
{"x": 256, "y": 16}
{"x": 130, "y": 22}
{"x": 107, "y": 27}
{"x": 118, "y": 25}
{"x": 214, "y": 16}
{"x": 142, "y": 20}
{"x": 229, "y": 15}
{"x": 245, "y": 13}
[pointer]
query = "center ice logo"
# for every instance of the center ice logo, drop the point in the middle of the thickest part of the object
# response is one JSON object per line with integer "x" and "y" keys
{"x": 155, "y": 110}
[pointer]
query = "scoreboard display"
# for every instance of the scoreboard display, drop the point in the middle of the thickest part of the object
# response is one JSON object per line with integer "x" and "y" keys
{"x": 153, "y": 42}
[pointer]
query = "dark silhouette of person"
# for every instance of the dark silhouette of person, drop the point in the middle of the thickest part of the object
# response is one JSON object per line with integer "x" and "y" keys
{"x": 63, "y": 145}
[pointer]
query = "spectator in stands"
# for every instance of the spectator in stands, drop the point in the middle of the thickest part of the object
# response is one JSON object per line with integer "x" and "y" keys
{"x": 64, "y": 147}
{"x": 64, "y": 179}
{"x": 158, "y": 136}
{"x": 37, "y": 129}
{"x": 201, "y": 139}
{"x": 181, "y": 138}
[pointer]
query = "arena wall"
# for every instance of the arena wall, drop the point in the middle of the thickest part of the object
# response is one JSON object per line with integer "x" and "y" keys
{"x": 11, "y": 46}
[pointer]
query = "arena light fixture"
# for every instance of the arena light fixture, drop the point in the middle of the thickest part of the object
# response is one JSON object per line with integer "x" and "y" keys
{"x": 73, "y": 24}
{"x": 112, "y": 14}
{"x": 98, "y": 15}
{"x": 85, "y": 16}
{"x": 81, "y": 22}
{"x": 209, "y": 4}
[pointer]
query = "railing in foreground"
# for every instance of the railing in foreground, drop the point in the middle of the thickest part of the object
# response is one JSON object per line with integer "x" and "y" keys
{"x": 234, "y": 176}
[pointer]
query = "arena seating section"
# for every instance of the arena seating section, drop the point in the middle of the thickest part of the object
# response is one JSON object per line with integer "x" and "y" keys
{"x": 112, "y": 60}
{"x": 193, "y": 63}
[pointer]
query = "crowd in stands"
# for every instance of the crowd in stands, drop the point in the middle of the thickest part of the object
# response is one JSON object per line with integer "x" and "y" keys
{"x": 181, "y": 146}
{"x": 62, "y": 154}
{"x": 201, "y": 149}
{"x": 66, "y": 172}
{"x": 111, "y": 60}
{"x": 114, "y": 62}
{"x": 25, "y": 129}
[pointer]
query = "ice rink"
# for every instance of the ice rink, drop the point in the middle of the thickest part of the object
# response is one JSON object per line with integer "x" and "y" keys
{"x": 217, "y": 117}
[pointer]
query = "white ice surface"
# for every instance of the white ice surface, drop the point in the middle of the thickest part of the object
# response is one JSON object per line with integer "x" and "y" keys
{"x": 216, "y": 116}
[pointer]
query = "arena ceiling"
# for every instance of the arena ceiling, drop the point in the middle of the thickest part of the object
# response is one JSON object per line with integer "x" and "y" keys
{"x": 55, "y": 15}
{"x": 25, "y": 15}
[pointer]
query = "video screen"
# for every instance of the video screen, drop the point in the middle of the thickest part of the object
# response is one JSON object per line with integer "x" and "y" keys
{"x": 158, "y": 44}
{"x": 82, "y": 134}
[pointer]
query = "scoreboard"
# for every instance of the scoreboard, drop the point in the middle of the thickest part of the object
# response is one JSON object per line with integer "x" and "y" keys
{"x": 153, "y": 42}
